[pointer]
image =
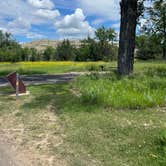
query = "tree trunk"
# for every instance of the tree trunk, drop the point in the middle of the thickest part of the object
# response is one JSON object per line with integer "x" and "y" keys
{"x": 164, "y": 52}
{"x": 127, "y": 36}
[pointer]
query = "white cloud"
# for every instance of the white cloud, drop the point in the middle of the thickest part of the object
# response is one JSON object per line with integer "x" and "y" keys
{"x": 116, "y": 25}
{"x": 44, "y": 4}
{"x": 33, "y": 35}
{"x": 97, "y": 21}
{"x": 50, "y": 14}
{"x": 74, "y": 25}
{"x": 108, "y": 9}
{"x": 19, "y": 23}
{"x": 19, "y": 16}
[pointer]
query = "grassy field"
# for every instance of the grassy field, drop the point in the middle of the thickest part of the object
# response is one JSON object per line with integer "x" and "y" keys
{"x": 29, "y": 68}
{"x": 93, "y": 120}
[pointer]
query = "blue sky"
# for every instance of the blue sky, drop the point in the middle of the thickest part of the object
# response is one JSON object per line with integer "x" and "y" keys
{"x": 31, "y": 20}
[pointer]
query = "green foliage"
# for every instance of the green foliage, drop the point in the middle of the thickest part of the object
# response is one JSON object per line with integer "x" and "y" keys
{"x": 10, "y": 50}
{"x": 92, "y": 50}
{"x": 49, "y": 54}
{"x": 33, "y": 55}
{"x": 65, "y": 51}
{"x": 104, "y": 36}
{"x": 88, "y": 51}
{"x": 156, "y": 23}
{"x": 148, "y": 47}
{"x": 162, "y": 139}
{"x": 134, "y": 92}
{"x": 161, "y": 147}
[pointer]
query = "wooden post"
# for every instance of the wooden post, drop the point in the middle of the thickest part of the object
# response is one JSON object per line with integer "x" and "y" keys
{"x": 17, "y": 86}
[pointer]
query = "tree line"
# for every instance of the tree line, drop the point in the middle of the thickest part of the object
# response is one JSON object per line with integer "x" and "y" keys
{"x": 150, "y": 42}
{"x": 101, "y": 47}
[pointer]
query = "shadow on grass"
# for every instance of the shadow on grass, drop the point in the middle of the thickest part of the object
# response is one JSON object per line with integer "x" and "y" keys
{"x": 55, "y": 97}
{"x": 8, "y": 90}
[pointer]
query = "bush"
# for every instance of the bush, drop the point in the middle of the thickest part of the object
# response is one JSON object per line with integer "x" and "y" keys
{"x": 148, "y": 47}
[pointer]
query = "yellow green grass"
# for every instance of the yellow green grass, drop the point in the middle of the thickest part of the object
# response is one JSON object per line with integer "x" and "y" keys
{"x": 29, "y": 68}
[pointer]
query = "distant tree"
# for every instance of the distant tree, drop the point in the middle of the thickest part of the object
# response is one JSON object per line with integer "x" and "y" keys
{"x": 104, "y": 36}
{"x": 88, "y": 50}
{"x": 65, "y": 51}
{"x": 7, "y": 42}
{"x": 26, "y": 53}
{"x": 10, "y": 50}
{"x": 148, "y": 47}
{"x": 33, "y": 55}
{"x": 156, "y": 23}
{"x": 49, "y": 54}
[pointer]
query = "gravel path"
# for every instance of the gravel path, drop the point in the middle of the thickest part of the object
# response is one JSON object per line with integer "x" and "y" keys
{"x": 42, "y": 79}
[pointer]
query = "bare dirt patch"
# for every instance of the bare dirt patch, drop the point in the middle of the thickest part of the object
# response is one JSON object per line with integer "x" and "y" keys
{"x": 31, "y": 142}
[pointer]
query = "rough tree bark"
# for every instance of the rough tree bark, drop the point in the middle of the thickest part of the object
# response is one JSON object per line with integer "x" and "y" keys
{"x": 164, "y": 43}
{"x": 164, "y": 52}
{"x": 127, "y": 36}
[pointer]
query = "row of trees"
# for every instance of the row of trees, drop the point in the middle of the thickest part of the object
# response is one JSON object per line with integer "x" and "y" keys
{"x": 101, "y": 47}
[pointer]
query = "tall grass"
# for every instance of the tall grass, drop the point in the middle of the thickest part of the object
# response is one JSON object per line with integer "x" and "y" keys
{"x": 145, "y": 89}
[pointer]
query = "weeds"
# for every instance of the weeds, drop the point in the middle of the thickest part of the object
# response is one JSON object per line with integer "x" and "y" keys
{"x": 147, "y": 89}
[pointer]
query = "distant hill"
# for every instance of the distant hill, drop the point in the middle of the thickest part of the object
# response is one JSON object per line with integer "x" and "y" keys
{"x": 41, "y": 45}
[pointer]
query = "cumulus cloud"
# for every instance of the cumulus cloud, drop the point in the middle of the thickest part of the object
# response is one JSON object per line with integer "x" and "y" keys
{"x": 19, "y": 23}
{"x": 74, "y": 25}
{"x": 50, "y": 14}
{"x": 107, "y": 9}
{"x": 19, "y": 16}
{"x": 44, "y": 4}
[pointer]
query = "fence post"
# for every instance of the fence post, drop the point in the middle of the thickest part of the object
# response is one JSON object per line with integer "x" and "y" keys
{"x": 17, "y": 86}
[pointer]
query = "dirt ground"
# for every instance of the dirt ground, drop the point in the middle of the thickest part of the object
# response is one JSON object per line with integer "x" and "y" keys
{"x": 20, "y": 146}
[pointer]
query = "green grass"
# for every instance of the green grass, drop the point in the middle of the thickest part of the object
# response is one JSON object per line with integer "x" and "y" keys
{"x": 93, "y": 134}
{"x": 96, "y": 129}
{"x": 144, "y": 89}
{"x": 30, "y": 68}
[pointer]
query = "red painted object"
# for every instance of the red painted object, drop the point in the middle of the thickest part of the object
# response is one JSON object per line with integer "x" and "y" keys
{"x": 12, "y": 77}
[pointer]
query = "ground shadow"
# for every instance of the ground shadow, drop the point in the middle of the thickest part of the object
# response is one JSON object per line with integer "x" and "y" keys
{"x": 57, "y": 97}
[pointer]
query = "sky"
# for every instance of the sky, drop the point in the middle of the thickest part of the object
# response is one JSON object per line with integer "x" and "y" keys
{"x": 30, "y": 20}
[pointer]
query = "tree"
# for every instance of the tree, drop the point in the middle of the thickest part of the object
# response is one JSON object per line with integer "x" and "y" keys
{"x": 88, "y": 51}
{"x": 148, "y": 47}
{"x": 49, "y": 54}
{"x": 10, "y": 49}
{"x": 130, "y": 12}
{"x": 104, "y": 36}
{"x": 26, "y": 53}
{"x": 156, "y": 22}
{"x": 127, "y": 36}
{"x": 65, "y": 51}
